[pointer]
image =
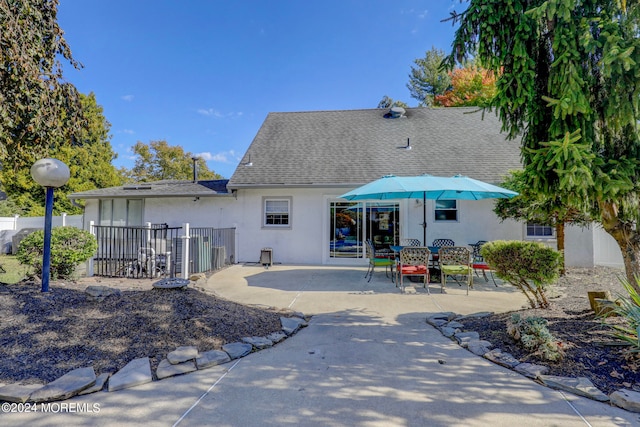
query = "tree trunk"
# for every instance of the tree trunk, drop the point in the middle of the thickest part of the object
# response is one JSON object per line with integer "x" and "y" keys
{"x": 627, "y": 237}
{"x": 560, "y": 244}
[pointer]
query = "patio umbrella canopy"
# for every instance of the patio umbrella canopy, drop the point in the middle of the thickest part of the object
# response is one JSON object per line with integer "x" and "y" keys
{"x": 428, "y": 187}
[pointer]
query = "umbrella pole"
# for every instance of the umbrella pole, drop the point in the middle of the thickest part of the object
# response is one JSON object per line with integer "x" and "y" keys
{"x": 424, "y": 219}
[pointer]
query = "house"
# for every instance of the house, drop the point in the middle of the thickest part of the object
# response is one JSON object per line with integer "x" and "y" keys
{"x": 284, "y": 194}
{"x": 298, "y": 164}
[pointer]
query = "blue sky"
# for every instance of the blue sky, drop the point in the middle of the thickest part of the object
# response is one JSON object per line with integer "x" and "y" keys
{"x": 205, "y": 74}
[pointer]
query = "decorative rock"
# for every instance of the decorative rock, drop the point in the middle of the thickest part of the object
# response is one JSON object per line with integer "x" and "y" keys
{"x": 100, "y": 381}
{"x": 455, "y": 324}
{"x": 258, "y": 342}
{"x": 581, "y": 386}
{"x": 437, "y": 322}
{"x": 626, "y": 399}
{"x": 70, "y": 384}
{"x": 531, "y": 370}
{"x": 168, "y": 369}
{"x": 439, "y": 319}
{"x": 504, "y": 359}
{"x": 479, "y": 347}
{"x": 171, "y": 283}
{"x": 136, "y": 372}
{"x": 236, "y": 350}
{"x": 99, "y": 292}
{"x": 463, "y": 338}
{"x": 290, "y": 325}
{"x": 212, "y": 358}
{"x": 276, "y": 337}
{"x": 182, "y": 354}
{"x": 18, "y": 393}
{"x": 448, "y": 331}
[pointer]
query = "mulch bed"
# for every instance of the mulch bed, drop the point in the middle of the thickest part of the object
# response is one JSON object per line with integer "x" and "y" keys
{"x": 589, "y": 349}
{"x": 44, "y": 336}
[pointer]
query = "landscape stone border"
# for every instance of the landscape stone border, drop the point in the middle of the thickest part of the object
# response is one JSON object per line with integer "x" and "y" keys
{"x": 182, "y": 360}
{"x": 450, "y": 325}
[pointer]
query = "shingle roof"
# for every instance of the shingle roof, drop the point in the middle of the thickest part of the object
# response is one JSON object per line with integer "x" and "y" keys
{"x": 165, "y": 188}
{"x": 353, "y": 147}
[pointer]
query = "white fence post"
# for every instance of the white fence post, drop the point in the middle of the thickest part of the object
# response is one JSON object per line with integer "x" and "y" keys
{"x": 148, "y": 233}
{"x": 92, "y": 230}
{"x": 185, "y": 250}
{"x": 64, "y": 219}
{"x": 15, "y": 221}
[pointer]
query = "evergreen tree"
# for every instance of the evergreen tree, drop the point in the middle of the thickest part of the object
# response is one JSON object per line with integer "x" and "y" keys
{"x": 568, "y": 85}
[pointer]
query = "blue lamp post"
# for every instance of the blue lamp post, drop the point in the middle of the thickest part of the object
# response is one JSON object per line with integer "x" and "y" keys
{"x": 50, "y": 173}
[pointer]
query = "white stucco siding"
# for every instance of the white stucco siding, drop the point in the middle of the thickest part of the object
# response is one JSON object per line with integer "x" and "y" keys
{"x": 300, "y": 243}
{"x": 217, "y": 212}
{"x": 476, "y": 221}
{"x": 91, "y": 213}
{"x": 306, "y": 240}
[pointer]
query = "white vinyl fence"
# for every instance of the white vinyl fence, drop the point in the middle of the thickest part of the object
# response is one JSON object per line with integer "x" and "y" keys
{"x": 10, "y": 226}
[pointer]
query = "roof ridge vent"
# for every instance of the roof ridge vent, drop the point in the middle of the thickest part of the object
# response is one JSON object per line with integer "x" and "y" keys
{"x": 395, "y": 112}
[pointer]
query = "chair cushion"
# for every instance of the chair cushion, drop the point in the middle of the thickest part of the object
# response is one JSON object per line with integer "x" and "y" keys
{"x": 481, "y": 266}
{"x": 382, "y": 261}
{"x": 414, "y": 269}
{"x": 455, "y": 269}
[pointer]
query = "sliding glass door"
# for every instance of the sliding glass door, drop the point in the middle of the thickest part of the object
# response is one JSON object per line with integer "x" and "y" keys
{"x": 346, "y": 228}
{"x": 350, "y": 223}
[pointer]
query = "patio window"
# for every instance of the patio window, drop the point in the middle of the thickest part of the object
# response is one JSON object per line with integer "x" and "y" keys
{"x": 277, "y": 212}
{"x": 446, "y": 210}
{"x": 121, "y": 212}
{"x": 537, "y": 230}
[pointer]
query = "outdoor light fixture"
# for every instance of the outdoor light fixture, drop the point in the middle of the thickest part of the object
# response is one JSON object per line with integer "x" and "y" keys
{"x": 50, "y": 173}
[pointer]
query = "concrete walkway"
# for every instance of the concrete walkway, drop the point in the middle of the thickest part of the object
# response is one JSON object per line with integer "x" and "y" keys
{"x": 367, "y": 358}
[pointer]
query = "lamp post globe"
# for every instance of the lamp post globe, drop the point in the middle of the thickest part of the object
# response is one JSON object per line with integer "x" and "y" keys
{"x": 50, "y": 173}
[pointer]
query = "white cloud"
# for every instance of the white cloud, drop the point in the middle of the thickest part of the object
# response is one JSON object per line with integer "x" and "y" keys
{"x": 127, "y": 131}
{"x": 230, "y": 156}
{"x": 127, "y": 98}
{"x": 423, "y": 14}
{"x": 212, "y": 112}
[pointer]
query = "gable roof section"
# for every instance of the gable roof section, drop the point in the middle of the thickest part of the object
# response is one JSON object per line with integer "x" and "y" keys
{"x": 165, "y": 188}
{"x": 353, "y": 147}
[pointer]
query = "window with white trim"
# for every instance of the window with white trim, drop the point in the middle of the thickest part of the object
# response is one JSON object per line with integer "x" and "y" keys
{"x": 537, "y": 230}
{"x": 121, "y": 212}
{"x": 446, "y": 210}
{"x": 277, "y": 212}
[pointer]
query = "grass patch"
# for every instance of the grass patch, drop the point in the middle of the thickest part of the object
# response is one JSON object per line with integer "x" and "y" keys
{"x": 12, "y": 271}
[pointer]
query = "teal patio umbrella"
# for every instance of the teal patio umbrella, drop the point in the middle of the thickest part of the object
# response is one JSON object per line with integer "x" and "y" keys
{"x": 428, "y": 187}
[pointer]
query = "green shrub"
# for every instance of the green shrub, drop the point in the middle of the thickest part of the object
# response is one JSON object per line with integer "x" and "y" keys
{"x": 70, "y": 247}
{"x": 533, "y": 334}
{"x": 629, "y": 309}
{"x": 530, "y": 266}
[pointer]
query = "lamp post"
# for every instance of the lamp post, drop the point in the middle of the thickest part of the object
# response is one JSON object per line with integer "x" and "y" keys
{"x": 50, "y": 173}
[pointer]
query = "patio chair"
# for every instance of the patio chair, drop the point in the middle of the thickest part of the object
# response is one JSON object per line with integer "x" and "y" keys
{"x": 455, "y": 261}
{"x": 439, "y": 243}
{"x": 414, "y": 261}
{"x": 479, "y": 263}
{"x": 410, "y": 242}
{"x": 377, "y": 261}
